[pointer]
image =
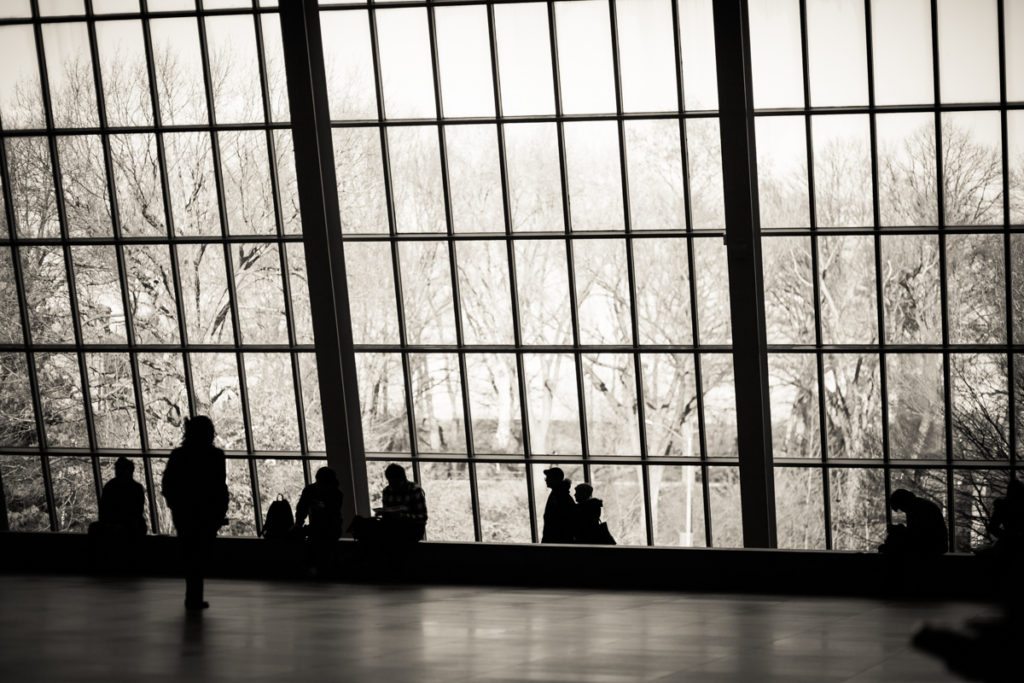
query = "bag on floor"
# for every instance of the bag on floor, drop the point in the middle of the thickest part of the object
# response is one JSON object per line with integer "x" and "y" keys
{"x": 280, "y": 519}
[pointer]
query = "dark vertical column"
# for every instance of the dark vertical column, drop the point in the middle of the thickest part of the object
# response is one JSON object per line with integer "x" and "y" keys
{"x": 746, "y": 285}
{"x": 325, "y": 258}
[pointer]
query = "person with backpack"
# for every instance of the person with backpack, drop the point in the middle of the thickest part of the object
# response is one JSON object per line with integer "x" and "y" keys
{"x": 280, "y": 520}
{"x": 195, "y": 486}
{"x": 589, "y": 527}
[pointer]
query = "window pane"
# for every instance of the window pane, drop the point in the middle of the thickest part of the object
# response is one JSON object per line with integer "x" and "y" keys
{"x": 602, "y": 292}
{"x": 524, "y": 59}
{"x": 916, "y": 419}
{"x": 311, "y": 408}
{"x": 371, "y": 293}
{"x": 1015, "y": 160}
{"x": 83, "y": 178}
{"x": 360, "y": 173}
{"x": 647, "y": 59}
{"x": 846, "y": 268}
{"x": 248, "y": 195}
{"x": 1016, "y": 285}
{"x": 906, "y": 169}
{"x": 427, "y": 293}
{"x": 621, "y": 489}
{"x": 654, "y": 164}
{"x": 972, "y": 168}
{"x": 775, "y": 55}
{"x": 910, "y": 288}
{"x": 112, "y": 396}
{"x": 178, "y": 62}
{"x": 474, "y": 178}
{"x": 976, "y": 289}
{"x": 446, "y": 486}
{"x": 298, "y": 282}
{"x": 23, "y": 491}
{"x": 858, "y": 508}
{"x": 17, "y": 416}
{"x": 348, "y": 64}
{"x": 74, "y": 493}
{"x": 968, "y": 51}
{"x": 268, "y": 379}
{"x": 437, "y": 400}
{"x": 125, "y": 73}
{"x": 405, "y": 63}
{"x": 273, "y": 54}
{"x": 11, "y": 332}
{"x": 677, "y": 506}
{"x": 60, "y": 396}
{"x": 259, "y": 289}
{"x": 553, "y": 404}
{"x": 382, "y": 402}
{"x": 610, "y": 392}
{"x": 151, "y": 294}
{"x": 485, "y": 293}
{"x": 713, "y": 308}
{"x": 100, "y": 305}
{"x": 974, "y": 493}
{"x": 46, "y": 295}
{"x": 726, "y": 518}
{"x": 670, "y": 405}
{"x": 793, "y": 385}
{"x": 204, "y": 292}
{"x": 697, "y": 35}
{"x": 782, "y": 172}
{"x": 69, "y": 73}
{"x": 543, "y": 289}
{"x": 190, "y": 183}
{"x": 799, "y": 508}
{"x": 853, "y": 405}
{"x": 234, "y": 69}
{"x": 534, "y": 177}
{"x": 164, "y": 397}
{"x": 241, "y": 515}
{"x": 662, "y": 291}
{"x": 901, "y": 35}
{"x": 140, "y": 202}
{"x": 594, "y": 175}
{"x": 842, "y": 171}
{"x": 287, "y": 184}
{"x": 21, "y": 96}
{"x": 494, "y": 403}
{"x": 416, "y": 179}
{"x": 215, "y": 381}
{"x": 837, "y": 55}
{"x": 585, "y": 57}
{"x": 33, "y": 200}
{"x": 981, "y": 415}
{"x": 719, "y": 387}
{"x": 788, "y": 290}
{"x": 464, "y": 61}
{"x": 504, "y": 505}
{"x": 1013, "y": 28}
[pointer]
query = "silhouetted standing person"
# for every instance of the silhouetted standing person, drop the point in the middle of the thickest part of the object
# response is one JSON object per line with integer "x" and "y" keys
{"x": 195, "y": 486}
{"x": 925, "y": 531}
{"x": 589, "y": 527}
{"x": 559, "y": 512}
{"x": 122, "y": 504}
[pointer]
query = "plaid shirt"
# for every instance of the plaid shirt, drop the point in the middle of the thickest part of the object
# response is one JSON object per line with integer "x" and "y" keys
{"x": 411, "y": 496}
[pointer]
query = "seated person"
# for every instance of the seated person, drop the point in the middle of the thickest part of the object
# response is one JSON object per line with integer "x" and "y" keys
{"x": 122, "y": 504}
{"x": 924, "y": 532}
{"x": 588, "y": 525}
{"x": 320, "y": 502}
{"x": 403, "y": 517}
{"x": 1006, "y": 525}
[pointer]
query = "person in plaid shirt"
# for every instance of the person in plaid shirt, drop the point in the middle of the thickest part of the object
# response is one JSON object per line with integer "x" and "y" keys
{"x": 403, "y": 517}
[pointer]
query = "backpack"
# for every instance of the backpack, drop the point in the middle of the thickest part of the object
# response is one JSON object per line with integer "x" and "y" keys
{"x": 280, "y": 519}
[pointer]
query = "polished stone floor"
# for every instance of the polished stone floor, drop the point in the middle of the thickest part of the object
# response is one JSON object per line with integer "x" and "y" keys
{"x": 82, "y": 629}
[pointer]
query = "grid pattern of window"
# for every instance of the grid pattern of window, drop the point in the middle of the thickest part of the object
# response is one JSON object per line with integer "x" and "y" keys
{"x": 890, "y": 175}
{"x": 151, "y": 263}
{"x": 531, "y": 203}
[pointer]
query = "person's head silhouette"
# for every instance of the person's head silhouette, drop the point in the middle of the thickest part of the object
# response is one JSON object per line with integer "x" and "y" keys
{"x": 326, "y": 477}
{"x": 901, "y": 499}
{"x": 124, "y": 468}
{"x": 199, "y": 431}
{"x": 553, "y": 477}
{"x": 395, "y": 474}
{"x": 584, "y": 492}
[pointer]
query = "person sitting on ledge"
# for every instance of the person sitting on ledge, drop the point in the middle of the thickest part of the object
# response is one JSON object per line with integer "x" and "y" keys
{"x": 924, "y": 532}
{"x": 122, "y": 504}
{"x": 403, "y": 516}
{"x": 589, "y": 527}
{"x": 321, "y": 503}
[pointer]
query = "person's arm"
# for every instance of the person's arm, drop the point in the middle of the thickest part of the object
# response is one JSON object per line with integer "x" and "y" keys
{"x": 222, "y": 479}
{"x": 169, "y": 482}
{"x": 302, "y": 508}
